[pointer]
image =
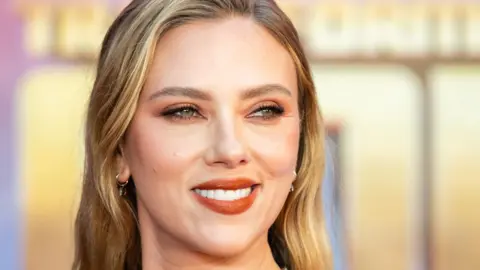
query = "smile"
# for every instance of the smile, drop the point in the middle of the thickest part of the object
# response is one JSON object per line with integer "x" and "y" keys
{"x": 228, "y": 197}
{"x": 224, "y": 195}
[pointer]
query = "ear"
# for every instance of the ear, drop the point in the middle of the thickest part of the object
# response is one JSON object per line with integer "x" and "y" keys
{"x": 123, "y": 170}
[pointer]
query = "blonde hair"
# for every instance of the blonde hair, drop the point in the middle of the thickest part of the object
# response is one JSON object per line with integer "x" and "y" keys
{"x": 106, "y": 231}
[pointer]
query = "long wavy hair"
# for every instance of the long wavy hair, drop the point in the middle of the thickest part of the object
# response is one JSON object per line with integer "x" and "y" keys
{"x": 106, "y": 229}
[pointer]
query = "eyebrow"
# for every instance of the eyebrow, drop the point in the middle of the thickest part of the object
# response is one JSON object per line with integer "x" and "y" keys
{"x": 265, "y": 90}
{"x": 195, "y": 93}
{"x": 180, "y": 91}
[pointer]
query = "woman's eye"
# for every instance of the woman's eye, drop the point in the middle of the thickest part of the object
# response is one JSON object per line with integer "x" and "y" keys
{"x": 267, "y": 112}
{"x": 181, "y": 113}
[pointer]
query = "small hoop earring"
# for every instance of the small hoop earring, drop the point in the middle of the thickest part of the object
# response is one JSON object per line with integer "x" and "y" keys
{"x": 122, "y": 187}
{"x": 292, "y": 188}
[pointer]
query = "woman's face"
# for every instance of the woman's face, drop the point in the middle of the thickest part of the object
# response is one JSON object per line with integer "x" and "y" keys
{"x": 213, "y": 145}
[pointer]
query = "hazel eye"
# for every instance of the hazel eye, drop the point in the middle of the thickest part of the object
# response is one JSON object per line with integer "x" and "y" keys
{"x": 267, "y": 112}
{"x": 182, "y": 113}
{"x": 185, "y": 113}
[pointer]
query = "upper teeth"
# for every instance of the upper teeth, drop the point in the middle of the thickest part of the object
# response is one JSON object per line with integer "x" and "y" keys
{"x": 224, "y": 195}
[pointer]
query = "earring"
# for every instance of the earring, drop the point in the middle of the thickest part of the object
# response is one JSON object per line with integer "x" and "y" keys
{"x": 122, "y": 187}
{"x": 292, "y": 188}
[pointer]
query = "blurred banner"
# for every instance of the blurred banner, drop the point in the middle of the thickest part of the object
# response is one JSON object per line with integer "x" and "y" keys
{"x": 399, "y": 85}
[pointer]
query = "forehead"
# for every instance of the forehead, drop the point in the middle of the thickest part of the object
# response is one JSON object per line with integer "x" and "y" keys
{"x": 224, "y": 54}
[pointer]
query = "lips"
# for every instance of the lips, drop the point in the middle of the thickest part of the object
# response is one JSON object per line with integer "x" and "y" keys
{"x": 227, "y": 184}
{"x": 227, "y": 196}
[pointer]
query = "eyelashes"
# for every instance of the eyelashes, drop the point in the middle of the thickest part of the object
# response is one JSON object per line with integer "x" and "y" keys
{"x": 264, "y": 112}
{"x": 183, "y": 112}
{"x": 267, "y": 112}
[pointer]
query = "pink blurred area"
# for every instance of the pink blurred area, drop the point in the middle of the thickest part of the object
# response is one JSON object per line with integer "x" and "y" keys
{"x": 399, "y": 85}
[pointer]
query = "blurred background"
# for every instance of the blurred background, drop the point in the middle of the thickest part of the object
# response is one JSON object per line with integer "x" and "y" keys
{"x": 399, "y": 84}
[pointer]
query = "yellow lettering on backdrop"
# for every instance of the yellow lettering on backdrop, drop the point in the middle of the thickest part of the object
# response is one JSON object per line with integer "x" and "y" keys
{"x": 80, "y": 31}
{"x": 38, "y": 30}
{"x": 473, "y": 30}
{"x": 73, "y": 31}
{"x": 334, "y": 29}
{"x": 449, "y": 35}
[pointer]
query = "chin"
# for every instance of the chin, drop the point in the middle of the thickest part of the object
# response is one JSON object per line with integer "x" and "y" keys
{"x": 225, "y": 243}
{"x": 224, "y": 249}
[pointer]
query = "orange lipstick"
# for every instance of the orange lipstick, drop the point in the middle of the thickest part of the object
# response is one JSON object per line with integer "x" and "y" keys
{"x": 227, "y": 196}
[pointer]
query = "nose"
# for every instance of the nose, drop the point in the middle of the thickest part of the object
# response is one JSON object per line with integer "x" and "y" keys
{"x": 227, "y": 147}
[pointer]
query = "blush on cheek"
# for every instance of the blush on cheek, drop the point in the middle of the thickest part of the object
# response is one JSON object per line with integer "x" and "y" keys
{"x": 179, "y": 154}
{"x": 278, "y": 153}
{"x": 157, "y": 143}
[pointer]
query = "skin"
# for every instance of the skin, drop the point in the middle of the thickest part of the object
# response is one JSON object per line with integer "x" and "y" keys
{"x": 238, "y": 72}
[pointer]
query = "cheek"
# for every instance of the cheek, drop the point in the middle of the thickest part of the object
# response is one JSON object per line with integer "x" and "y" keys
{"x": 158, "y": 149}
{"x": 278, "y": 150}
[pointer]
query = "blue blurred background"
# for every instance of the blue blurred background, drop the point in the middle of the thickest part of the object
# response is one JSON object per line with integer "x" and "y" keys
{"x": 399, "y": 84}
